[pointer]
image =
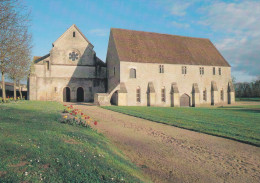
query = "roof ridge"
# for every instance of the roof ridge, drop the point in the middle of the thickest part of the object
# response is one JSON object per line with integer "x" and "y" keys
{"x": 158, "y": 33}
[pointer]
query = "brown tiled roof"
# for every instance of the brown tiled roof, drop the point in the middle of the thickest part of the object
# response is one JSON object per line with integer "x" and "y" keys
{"x": 147, "y": 47}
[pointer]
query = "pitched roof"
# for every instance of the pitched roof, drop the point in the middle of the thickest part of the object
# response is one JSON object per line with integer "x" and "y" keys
{"x": 78, "y": 31}
{"x": 148, "y": 47}
{"x": 37, "y": 59}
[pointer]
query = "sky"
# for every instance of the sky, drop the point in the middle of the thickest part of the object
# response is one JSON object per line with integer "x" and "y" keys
{"x": 233, "y": 26}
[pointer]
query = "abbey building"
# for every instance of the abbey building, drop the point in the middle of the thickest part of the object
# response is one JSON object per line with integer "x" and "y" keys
{"x": 141, "y": 69}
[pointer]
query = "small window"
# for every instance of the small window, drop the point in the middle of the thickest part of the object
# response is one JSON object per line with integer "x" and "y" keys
{"x": 205, "y": 95}
{"x": 114, "y": 71}
{"x": 214, "y": 71}
{"x": 48, "y": 65}
{"x": 138, "y": 95}
{"x": 219, "y": 71}
{"x": 161, "y": 68}
{"x": 74, "y": 34}
{"x": 184, "y": 70}
{"x": 55, "y": 89}
{"x": 222, "y": 95}
{"x": 132, "y": 73}
{"x": 90, "y": 89}
{"x": 163, "y": 95}
{"x": 201, "y": 70}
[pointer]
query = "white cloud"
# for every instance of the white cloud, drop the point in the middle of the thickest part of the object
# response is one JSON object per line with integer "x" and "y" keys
{"x": 239, "y": 24}
{"x": 180, "y": 25}
{"x": 99, "y": 32}
{"x": 237, "y": 18}
{"x": 179, "y": 8}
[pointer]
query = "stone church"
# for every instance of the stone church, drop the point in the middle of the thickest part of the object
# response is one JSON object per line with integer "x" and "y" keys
{"x": 141, "y": 69}
{"x": 71, "y": 72}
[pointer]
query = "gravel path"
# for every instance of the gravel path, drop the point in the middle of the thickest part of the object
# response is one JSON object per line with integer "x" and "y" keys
{"x": 170, "y": 154}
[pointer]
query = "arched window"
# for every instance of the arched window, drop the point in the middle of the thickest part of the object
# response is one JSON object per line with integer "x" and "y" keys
{"x": 205, "y": 95}
{"x": 132, "y": 73}
{"x": 138, "y": 94}
{"x": 222, "y": 94}
{"x": 163, "y": 95}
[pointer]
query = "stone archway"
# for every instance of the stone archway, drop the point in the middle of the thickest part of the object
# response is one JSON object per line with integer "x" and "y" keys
{"x": 185, "y": 100}
{"x": 114, "y": 98}
{"x": 80, "y": 94}
{"x": 66, "y": 94}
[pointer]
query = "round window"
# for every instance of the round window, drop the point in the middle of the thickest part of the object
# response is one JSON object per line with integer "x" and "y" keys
{"x": 73, "y": 56}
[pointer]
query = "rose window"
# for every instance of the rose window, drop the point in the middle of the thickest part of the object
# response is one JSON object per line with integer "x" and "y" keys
{"x": 73, "y": 56}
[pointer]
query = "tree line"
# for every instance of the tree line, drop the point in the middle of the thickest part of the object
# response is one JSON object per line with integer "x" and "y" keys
{"x": 248, "y": 89}
{"x": 15, "y": 43}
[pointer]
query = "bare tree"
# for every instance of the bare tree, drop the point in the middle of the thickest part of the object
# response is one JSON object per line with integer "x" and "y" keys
{"x": 13, "y": 21}
{"x": 19, "y": 62}
{"x": 24, "y": 61}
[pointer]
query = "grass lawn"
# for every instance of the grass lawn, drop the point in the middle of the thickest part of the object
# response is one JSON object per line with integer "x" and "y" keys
{"x": 248, "y": 99}
{"x": 241, "y": 123}
{"x": 34, "y": 146}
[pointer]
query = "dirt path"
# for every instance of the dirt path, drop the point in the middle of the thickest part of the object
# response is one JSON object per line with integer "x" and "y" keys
{"x": 170, "y": 154}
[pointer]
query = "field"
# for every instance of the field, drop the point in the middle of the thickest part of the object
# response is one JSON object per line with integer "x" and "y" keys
{"x": 35, "y": 147}
{"x": 241, "y": 123}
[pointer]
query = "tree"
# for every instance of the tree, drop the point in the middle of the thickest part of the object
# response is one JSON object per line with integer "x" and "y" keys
{"x": 245, "y": 89}
{"x": 19, "y": 62}
{"x": 13, "y": 22}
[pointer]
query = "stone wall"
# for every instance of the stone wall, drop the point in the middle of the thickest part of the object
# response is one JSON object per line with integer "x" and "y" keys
{"x": 148, "y": 72}
{"x": 113, "y": 65}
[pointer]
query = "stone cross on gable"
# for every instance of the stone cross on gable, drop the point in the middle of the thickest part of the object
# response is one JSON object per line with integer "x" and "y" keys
{"x": 73, "y": 56}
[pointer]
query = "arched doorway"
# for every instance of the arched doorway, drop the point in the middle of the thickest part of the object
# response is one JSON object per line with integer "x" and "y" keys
{"x": 185, "y": 100}
{"x": 80, "y": 94}
{"x": 114, "y": 98}
{"x": 66, "y": 94}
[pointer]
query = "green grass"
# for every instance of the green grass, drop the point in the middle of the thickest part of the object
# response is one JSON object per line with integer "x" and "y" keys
{"x": 33, "y": 141}
{"x": 248, "y": 99}
{"x": 241, "y": 123}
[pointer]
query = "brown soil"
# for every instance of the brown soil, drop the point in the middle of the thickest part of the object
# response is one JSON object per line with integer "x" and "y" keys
{"x": 46, "y": 166}
{"x": 22, "y": 163}
{"x": 170, "y": 154}
{"x": 2, "y": 173}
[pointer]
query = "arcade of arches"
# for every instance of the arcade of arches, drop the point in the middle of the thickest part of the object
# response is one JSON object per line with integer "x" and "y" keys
{"x": 67, "y": 94}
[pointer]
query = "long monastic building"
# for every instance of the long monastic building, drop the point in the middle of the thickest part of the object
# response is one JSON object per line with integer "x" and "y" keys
{"x": 141, "y": 69}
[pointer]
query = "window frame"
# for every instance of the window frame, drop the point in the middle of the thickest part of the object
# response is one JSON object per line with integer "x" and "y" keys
{"x": 219, "y": 71}
{"x": 47, "y": 65}
{"x": 201, "y": 70}
{"x": 138, "y": 95}
{"x": 214, "y": 70}
{"x": 161, "y": 68}
{"x": 74, "y": 34}
{"x": 205, "y": 95}
{"x": 184, "y": 70}
{"x": 134, "y": 73}
{"x": 163, "y": 94}
{"x": 222, "y": 95}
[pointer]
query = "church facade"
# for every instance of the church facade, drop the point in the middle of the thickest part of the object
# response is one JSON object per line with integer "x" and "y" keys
{"x": 141, "y": 69}
{"x": 71, "y": 72}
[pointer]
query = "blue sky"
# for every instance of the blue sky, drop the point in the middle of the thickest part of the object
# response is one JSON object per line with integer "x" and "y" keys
{"x": 233, "y": 26}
